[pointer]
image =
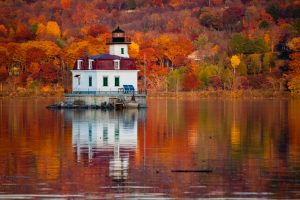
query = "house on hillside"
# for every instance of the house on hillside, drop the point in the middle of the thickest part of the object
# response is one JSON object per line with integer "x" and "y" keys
{"x": 113, "y": 72}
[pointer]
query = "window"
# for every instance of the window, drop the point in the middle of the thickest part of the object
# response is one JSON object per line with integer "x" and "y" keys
{"x": 78, "y": 78}
{"x": 117, "y": 64}
{"x": 122, "y": 50}
{"x": 117, "y": 81}
{"x": 90, "y": 81}
{"x": 105, "y": 81}
{"x": 91, "y": 63}
{"x": 79, "y": 62}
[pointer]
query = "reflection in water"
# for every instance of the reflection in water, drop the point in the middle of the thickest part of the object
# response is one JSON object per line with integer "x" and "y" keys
{"x": 106, "y": 132}
{"x": 251, "y": 146}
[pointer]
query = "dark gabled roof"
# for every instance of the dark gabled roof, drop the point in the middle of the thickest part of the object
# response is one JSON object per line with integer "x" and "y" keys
{"x": 105, "y": 56}
{"x": 118, "y": 30}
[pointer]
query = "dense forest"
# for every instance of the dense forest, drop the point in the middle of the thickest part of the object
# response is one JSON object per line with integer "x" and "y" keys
{"x": 187, "y": 45}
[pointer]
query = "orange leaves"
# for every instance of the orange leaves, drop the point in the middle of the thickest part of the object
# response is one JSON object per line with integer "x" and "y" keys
{"x": 65, "y": 4}
{"x": 3, "y": 30}
{"x": 52, "y": 29}
{"x": 294, "y": 44}
{"x": 134, "y": 50}
{"x": 172, "y": 46}
{"x": 294, "y": 63}
{"x": 49, "y": 31}
{"x": 41, "y": 31}
{"x": 34, "y": 69}
{"x": 97, "y": 30}
{"x": 50, "y": 48}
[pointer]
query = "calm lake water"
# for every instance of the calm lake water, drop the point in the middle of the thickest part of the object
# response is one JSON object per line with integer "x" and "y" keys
{"x": 251, "y": 149}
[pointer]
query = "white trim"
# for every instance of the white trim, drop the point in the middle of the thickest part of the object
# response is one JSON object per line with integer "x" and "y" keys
{"x": 117, "y": 64}
{"x": 79, "y": 62}
{"x": 91, "y": 64}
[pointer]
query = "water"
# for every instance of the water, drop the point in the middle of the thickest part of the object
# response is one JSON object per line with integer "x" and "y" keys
{"x": 251, "y": 149}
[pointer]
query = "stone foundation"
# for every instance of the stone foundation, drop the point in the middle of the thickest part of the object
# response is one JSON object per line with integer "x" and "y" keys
{"x": 98, "y": 100}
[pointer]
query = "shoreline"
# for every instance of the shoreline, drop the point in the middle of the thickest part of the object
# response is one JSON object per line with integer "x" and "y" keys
{"x": 240, "y": 94}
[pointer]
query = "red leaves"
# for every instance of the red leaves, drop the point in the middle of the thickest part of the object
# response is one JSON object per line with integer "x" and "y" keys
{"x": 190, "y": 81}
{"x": 23, "y": 33}
{"x": 97, "y": 30}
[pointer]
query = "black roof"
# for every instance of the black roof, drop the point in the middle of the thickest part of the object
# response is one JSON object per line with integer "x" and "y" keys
{"x": 118, "y": 30}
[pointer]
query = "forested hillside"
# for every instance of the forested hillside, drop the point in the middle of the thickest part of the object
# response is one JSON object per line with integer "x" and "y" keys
{"x": 187, "y": 44}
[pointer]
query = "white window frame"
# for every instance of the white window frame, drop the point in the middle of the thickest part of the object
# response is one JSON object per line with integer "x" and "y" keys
{"x": 91, "y": 63}
{"x": 79, "y": 62}
{"x": 116, "y": 64}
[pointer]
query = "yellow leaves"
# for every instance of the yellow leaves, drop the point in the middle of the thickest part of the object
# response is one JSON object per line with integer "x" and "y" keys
{"x": 294, "y": 85}
{"x": 52, "y": 29}
{"x": 93, "y": 45}
{"x": 294, "y": 44}
{"x": 267, "y": 38}
{"x": 134, "y": 49}
{"x": 46, "y": 88}
{"x": 294, "y": 63}
{"x": 50, "y": 48}
{"x": 235, "y": 61}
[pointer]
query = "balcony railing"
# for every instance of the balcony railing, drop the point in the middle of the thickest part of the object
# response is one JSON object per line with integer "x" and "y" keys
{"x": 118, "y": 40}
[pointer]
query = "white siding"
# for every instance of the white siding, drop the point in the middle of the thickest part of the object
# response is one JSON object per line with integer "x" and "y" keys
{"x": 115, "y": 49}
{"x": 84, "y": 80}
{"x": 127, "y": 77}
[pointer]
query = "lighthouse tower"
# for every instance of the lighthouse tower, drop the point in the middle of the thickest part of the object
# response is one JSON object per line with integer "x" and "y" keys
{"x": 118, "y": 43}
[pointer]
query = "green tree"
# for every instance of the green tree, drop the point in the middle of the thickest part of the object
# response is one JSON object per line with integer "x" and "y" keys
{"x": 254, "y": 64}
{"x": 237, "y": 43}
{"x": 242, "y": 45}
{"x": 268, "y": 61}
{"x": 175, "y": 78}
{"x": 131, "y": 4}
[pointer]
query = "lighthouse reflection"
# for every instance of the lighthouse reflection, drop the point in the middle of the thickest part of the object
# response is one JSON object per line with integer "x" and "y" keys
{"x": 110, "y": 135}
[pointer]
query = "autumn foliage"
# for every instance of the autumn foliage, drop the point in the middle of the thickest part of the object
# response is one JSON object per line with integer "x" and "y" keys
{"x": 41, "y": 40}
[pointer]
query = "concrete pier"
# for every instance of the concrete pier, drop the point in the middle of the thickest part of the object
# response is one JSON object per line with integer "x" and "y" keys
{"x": 101, "y": 100}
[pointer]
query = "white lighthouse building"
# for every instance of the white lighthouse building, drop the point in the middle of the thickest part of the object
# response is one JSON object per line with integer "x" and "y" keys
{"x": 113, "y": 72}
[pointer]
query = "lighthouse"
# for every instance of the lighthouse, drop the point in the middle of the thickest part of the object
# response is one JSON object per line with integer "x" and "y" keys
{"x": 102, "y": 73}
